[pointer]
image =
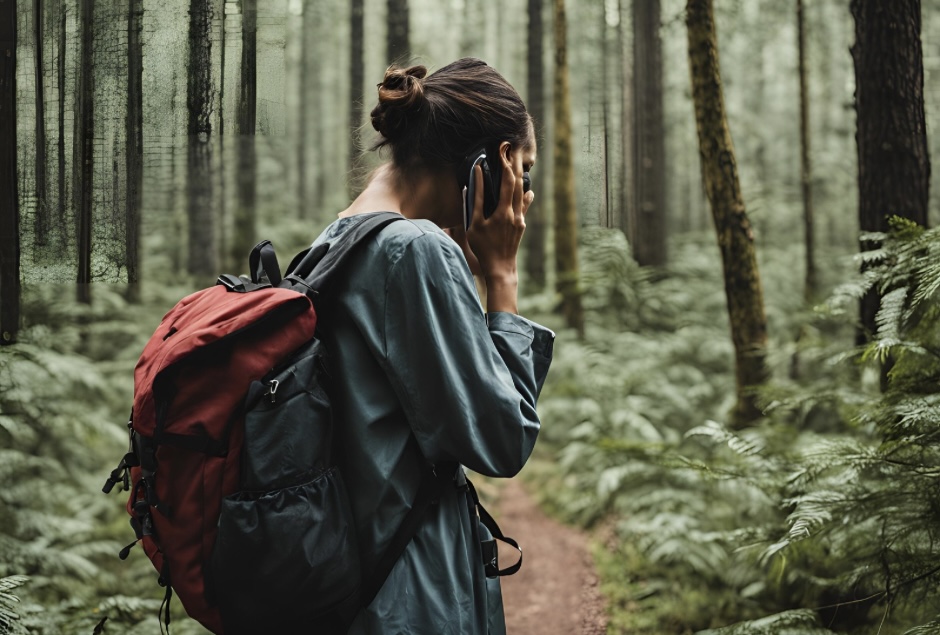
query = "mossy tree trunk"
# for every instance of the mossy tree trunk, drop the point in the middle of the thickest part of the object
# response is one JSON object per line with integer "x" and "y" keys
{"x": 9, "y": 195}
{"x": 891, "y": 134}
{"x": 566, "y": 214}
{"x": 735, "y": 236}
{"x": 648, "y": 224}
{"x": 536, "y": 221}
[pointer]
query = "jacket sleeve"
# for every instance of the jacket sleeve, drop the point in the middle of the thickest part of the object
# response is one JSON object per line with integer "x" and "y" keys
{"x": 468, "y": 382}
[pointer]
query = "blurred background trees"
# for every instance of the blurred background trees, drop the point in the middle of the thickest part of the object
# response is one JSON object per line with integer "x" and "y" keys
{"x": 144, "y": 147}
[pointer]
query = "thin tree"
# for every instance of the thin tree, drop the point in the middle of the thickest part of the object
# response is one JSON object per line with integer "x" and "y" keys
{"x": 199, "y": 102}
{"x": 41, "y": 218}
{"x": 806, "y": 172}
{"x": 243, "y": 237}
{"x": 398, "y": 49}
{"x": 356, "y": 80}
{"x": 735, "y": 237}
{"x": 566, "y": 215}
{"x": 648, "y": 225}
{"x": 891, "y": 133}
{"x": 536, "y": 221}
{"x": 85, "y": 148}
{"x": 60, "y": 53}
{"x": 134, "y": 157}
{"x": 9, "y": 195}
{"x": 627, "y": 199}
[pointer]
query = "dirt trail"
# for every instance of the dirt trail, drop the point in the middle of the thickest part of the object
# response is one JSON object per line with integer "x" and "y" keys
{"x": 556, "y": 591}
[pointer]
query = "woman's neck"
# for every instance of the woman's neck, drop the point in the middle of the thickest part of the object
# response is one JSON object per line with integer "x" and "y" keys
{"x": 428, "y": 197}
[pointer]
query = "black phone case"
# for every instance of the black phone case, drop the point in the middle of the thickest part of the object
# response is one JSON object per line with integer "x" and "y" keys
{"x": 491, "y": 182}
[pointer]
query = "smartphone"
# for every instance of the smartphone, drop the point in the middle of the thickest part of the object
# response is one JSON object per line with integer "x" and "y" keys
{"x": 492, "y": 178}
{"x": 491, "y": 181}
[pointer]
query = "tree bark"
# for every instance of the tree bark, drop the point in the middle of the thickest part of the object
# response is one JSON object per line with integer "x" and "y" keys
{"x": 806, "y": 172}
{"x": 9, "y": 195}
{"x": 735, "y": 237}
{"x": 41, "y": 218}
{"x": 891, "y": 134}
{"x": 243, "y": 237}
{"x": 356, "y": 81}
{"x": 648, "y": 227}
{"x": 134, "y": 157}
{"x": 199, "y": 102}
{"x": 398, "y": 42}
{"x": 536, "y": 221}
{"x": 566, "y": 216}
{"x": 85, "y": 146}
{"x": 627, "y": 198}
{"x": 61, "y": 202}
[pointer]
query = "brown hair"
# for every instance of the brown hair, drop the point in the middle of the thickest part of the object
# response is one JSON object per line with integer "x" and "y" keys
{"x": 430, "y": 120}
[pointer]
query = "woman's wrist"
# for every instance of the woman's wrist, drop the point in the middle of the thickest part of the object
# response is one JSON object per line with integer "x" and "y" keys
{"x": 502, "y": 290}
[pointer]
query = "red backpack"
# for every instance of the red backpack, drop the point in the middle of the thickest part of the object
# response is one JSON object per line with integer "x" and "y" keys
{"x": 233, "y": 492}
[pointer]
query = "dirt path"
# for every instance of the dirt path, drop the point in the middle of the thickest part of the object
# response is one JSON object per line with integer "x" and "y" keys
{"x": 556, "y": 591}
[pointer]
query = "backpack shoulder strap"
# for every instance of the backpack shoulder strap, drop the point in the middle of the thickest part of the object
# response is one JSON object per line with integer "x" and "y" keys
{"x": 315, "y": 267}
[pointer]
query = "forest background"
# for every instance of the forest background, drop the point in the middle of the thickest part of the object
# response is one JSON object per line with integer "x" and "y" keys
{"x": 145, "y": 147}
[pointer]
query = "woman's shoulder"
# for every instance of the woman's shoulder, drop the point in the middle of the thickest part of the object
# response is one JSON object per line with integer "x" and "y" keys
{"x": 407, "y": 238}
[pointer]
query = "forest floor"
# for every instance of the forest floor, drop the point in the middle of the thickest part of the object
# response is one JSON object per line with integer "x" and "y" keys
{"x": 557, "y": 591}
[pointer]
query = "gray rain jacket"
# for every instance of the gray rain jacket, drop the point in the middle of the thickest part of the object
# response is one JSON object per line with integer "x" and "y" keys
{"x": 420, "y": 374}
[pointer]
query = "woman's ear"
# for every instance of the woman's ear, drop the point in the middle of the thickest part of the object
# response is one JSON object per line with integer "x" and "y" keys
{"x": 504, "y": 149}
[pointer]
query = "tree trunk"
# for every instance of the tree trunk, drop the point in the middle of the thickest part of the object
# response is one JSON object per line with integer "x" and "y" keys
{"x": 627, "y": 198}
{"x": 243, "y": 236}
{"x": 536, "y": 221}
{"x": 61, "y": 202}
{"x": 199, "y": 102}
{"x": 735, "y": 237}
{"x": 9, "y": 195}
{"x": 648, "y": 228}
{"x": 41, "y": 218}
{"x": 566, "y": 215}
{"x": 399, "y": 46}
{"x": 806, "y": 172}
{"x": 356, "y": 81}
{"x": 134, "y": 156}
{"x": 893, "y": 161}
{"x": 85, "y": 146}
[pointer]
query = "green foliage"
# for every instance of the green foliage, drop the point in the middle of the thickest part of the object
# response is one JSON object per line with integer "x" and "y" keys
{"x": 824, "y": 516}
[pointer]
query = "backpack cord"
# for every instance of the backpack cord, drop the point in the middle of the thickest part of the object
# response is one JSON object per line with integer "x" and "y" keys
{"x": 163, "y": 614}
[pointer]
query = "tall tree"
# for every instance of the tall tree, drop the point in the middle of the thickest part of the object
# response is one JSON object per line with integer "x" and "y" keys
{"x": 60, "y": 67}
{"x": 648, "y": 226}
{"x": 627, "y": 198}
{"x": 85, "y": 148}
{"x": 199, "y": 102}
{"x": 41, "y": 215}
{"x": 243, "y": 237}
{"x": 398, "y": 43}
{"x": 566, "y": 214}
{"x": 806, "y": 172}
{"x": 735, "y": 237}
{"x": 891, "y": 132}
{"x": 356, "y": 80}
{"x": 9, "y": 195}
{"x": 536, "y": 223}
{"x": 134, "y": 156}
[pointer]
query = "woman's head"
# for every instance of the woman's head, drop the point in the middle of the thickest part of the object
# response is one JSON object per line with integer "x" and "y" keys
{"x": 433, "y": 121}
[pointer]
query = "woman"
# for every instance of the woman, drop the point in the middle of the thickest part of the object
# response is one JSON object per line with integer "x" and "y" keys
{"x": 425, "y": 377}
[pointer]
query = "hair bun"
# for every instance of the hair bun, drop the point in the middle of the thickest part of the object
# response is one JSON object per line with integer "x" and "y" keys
{"x": 401, "y": 93}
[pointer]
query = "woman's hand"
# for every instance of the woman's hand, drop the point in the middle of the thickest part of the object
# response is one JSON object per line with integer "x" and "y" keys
{"x": 494, "y": 241}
